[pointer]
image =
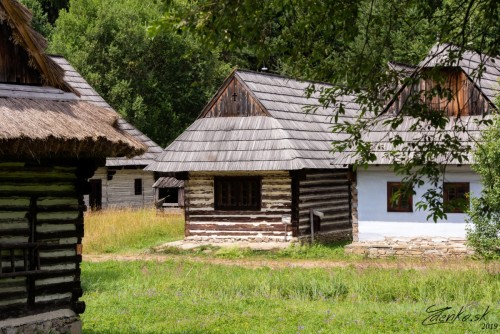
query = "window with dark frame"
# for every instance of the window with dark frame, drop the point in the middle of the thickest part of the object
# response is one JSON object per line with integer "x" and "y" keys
{"x": 138, "y": 186}
{"x": 399, "y": 197}
{"x": 455, "y": 197}
{"x": 237, "y": 193}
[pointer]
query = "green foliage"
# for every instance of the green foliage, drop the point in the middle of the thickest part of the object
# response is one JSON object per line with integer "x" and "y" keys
{"x": 40, "y": 20}
{"x": 159, "y": 85}
{"x": 189, "y": 297}
{"x": 484, "y": 233}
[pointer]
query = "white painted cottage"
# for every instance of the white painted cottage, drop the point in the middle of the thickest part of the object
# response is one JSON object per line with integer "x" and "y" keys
{"x": 396, "y": 227}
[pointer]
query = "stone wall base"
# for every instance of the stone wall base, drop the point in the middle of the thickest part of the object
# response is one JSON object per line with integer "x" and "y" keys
{"x": 430, "y": 247}
{"x": 226, "y": 239}
{"x": 328, "y": 237}
{"x": 55, "y": 322}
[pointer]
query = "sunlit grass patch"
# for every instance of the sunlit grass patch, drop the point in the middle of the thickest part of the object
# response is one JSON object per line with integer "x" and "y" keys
{"x": 112, "y": 231}
{"x": 180, "y": 296}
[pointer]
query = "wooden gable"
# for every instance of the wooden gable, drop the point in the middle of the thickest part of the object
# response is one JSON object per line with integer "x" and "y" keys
{"x": 234, "y": 99}
{"x": 466, "y": 98}
{"x": 15, "y": 61}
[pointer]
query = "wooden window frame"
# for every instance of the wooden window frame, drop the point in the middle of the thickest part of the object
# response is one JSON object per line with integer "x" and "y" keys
{"x": 138, "y": 187}
{"x": 253, "y": 200}
{"x": 446, "y": 199}
{"x": 391, "y": 208}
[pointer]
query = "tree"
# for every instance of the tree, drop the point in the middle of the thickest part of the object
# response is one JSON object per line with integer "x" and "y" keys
{"x": 348, "y": 44}
{"x": 159, "y": 85}
{"x": 484, "y": 234}
{"x": 40, "y": 21}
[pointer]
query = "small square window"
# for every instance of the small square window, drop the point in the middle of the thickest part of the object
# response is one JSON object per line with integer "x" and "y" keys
{"x": 237, "y": 193}
{"x": 456, "y": 197}
{"x": 138, "y": 186}
{"x": 399, "y": 197}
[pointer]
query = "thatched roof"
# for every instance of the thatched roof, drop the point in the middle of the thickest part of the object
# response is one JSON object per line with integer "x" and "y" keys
{"x": 88, "y": 94}
{"x": 284, "y": 137}
{"x": 39, "y": 127}
{"x": 19, "y": 19}
{"x": 51, "y": 120}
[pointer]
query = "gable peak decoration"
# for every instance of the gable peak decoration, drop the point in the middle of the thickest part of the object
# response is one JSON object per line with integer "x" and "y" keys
{"x": 234, "y": 99}
{"x": 18, "y": 18}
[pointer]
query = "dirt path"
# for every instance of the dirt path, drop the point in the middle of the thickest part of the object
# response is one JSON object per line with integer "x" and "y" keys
{"x": 493, "y": 267}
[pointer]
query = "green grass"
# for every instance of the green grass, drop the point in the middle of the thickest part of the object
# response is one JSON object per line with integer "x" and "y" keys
{"x": 119, "y": 231}
{"x": 179, "y": 296}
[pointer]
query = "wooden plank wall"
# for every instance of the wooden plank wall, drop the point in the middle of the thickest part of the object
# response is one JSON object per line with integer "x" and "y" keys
{"x": 327, "y": 191}
{"x": 203, "y": 221}
{"x": 467, "y": 98}
{"x": 14, "y": 61}
{"x": 42, "y": 204}
{"x": 235, "y": 101}
{"x": 119, "y": 191}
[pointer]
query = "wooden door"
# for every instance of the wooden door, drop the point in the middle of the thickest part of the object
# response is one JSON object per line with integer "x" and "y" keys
{"x": 95, "y": 196}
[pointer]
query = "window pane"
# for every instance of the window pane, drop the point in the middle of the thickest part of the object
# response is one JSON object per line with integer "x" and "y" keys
{"x": 237, "y": 193}
{"x": 398, "y": 198}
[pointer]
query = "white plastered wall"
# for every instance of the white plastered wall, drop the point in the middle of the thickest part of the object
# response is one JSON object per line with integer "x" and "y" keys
{"x": 375, "y": 222}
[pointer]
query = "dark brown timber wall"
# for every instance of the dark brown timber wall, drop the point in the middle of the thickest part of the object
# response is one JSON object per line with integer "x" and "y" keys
{"x": 41, "y": 230}
{"x": 14, "y": 61}
{"x": 202, "y": 221}
{"x": 327, "y": 191}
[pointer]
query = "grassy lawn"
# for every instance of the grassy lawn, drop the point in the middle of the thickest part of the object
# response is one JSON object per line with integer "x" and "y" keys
{"x": 187, "y": 294}
{"x": 119, "y": 231}
{"x": 185, "y": 297}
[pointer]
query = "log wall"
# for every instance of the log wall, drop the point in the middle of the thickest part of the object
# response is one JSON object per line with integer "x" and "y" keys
{"x": 203, "y": 222}
{"x": 327, "y": 191}
{"x": 119, "y": 191}
{"x": 41, "y": 230}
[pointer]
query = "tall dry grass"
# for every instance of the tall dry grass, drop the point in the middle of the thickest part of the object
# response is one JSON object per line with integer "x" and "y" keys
{"x": 124, "y": 230}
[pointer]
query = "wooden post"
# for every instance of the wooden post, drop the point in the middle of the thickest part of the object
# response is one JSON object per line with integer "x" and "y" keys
{"x": 311, "y": 220}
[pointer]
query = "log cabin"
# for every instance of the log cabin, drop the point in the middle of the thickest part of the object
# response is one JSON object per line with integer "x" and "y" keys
{"x": 257, "y": 167}
{"x": 386, "y": 227}
{"x": 122, "y": 182}
{"x": 51, "y": 142}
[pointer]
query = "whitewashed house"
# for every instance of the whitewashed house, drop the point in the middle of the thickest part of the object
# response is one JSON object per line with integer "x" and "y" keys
{"x": 392, "y": 228}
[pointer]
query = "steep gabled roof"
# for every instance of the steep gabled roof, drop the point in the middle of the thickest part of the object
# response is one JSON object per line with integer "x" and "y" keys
{"x": 483, "y": 73}
{"x": 19, "y": 19}
{"x": 88, "y": 94}
{"x": 482, "y": 70}
{"x": 281, "y": 137}
{"x": 51, "y": 120}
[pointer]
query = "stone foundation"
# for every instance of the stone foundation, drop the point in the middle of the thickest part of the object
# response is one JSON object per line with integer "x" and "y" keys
{"x": 55, "y": 322}
{"x": 226, "y": 239}
{"x": 429, "y": 247}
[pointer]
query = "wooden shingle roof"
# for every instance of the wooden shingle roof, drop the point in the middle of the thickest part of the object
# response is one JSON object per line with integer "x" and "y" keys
{"x": 282, "y": 137}
{"x": 88, "y": 94}
{"x": 483, "y": 73}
